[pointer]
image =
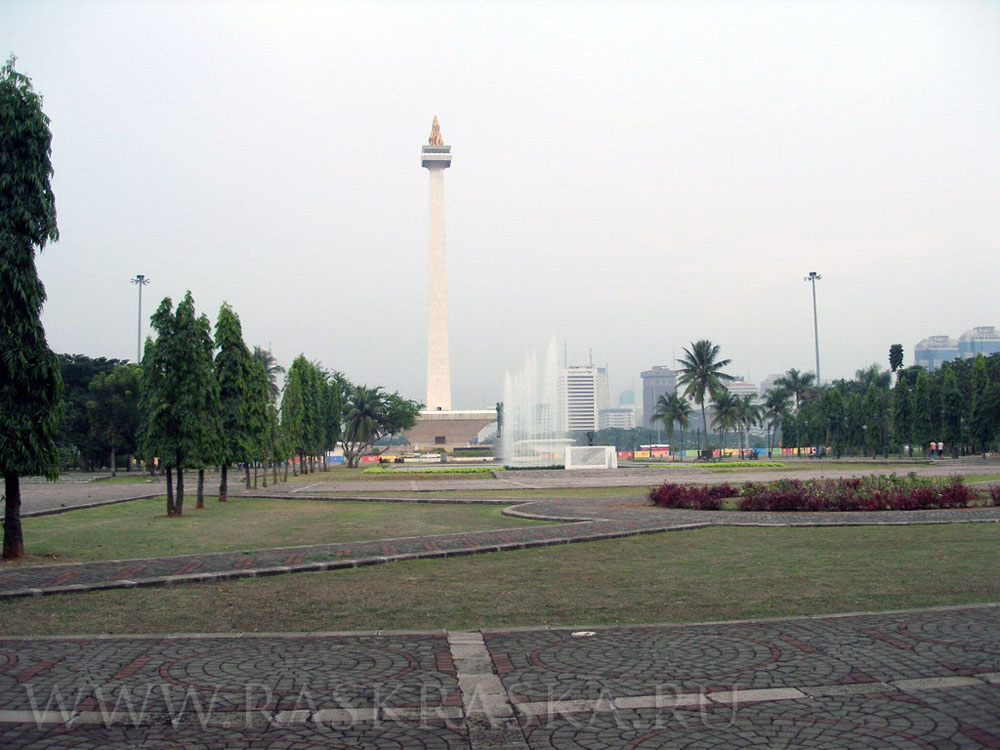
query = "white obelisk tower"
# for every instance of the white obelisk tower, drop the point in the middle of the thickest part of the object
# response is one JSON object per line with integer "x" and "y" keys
{"x": 436, "y": 157}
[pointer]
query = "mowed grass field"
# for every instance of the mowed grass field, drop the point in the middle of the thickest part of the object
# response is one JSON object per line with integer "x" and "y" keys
{"x": 685, "y": 576}
{"x": 141, "y": 528}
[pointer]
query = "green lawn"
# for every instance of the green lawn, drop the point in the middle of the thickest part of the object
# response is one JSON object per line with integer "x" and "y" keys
{"x": 516, "y": 494}
{"x": 698, "y": 575}
{"x": 141, "y": 528}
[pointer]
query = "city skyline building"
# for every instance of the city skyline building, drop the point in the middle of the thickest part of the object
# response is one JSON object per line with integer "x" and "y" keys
{"x": 622, "y": 418}
{"x": 933, "y": 351}
{"x": 983, "y": 340}
{"x": 656, "y": 382}
{"x": 583, "y": 392}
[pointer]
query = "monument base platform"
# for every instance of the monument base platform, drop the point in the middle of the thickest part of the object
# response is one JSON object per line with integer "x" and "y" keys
{"x": 448, "y": 429}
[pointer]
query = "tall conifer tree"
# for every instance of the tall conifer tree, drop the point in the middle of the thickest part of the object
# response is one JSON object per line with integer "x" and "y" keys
{"x": 30, "y": 384}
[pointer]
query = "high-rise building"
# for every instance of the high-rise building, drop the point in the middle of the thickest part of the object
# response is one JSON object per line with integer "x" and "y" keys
{"x": 934, "y": 351}
{"x": 983, "y": 340}
{"x": 583, "y": 391}
{"x": 622, "y": 418}
{"x": 740, "y": 387}
{"x": 656, "y": 382}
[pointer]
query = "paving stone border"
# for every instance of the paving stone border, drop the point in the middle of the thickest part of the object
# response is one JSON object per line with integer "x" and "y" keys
{"x": 902, "y": 684}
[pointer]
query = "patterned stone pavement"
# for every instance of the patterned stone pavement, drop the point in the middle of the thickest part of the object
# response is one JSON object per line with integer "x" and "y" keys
{"x": 918, "y": 679}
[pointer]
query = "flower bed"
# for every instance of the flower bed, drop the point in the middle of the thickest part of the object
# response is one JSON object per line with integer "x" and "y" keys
{"x": 885, "y": 492}
{"x": 692, "y": 497}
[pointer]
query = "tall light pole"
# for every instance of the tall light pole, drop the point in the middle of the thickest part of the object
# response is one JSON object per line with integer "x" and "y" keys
{"x": 139, "y": 281}
{"x": 813, "y": 277}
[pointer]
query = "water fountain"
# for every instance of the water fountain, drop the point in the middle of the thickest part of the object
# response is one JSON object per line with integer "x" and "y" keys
{"x": 533, "y": 434}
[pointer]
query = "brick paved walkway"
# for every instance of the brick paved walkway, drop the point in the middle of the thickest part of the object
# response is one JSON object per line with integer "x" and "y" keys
{"x": 919, "y": 679}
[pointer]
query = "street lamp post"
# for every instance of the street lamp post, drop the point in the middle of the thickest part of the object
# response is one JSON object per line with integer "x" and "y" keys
{"x": 140, "y": 281}
{"x": 813, "y": 277}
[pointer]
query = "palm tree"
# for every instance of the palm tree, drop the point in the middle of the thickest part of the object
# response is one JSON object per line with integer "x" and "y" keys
{"x": 363, "y": 411}
{"x": 671, "y": 409}
{"x": 273, "y": 370}
{"x": 799, "y": 385}
{"x": 726, "y": 406}
{"x": 873, "y": 375}
{"x": 776, "y": 408}
{"x": 702, "y": 373}
{"x": 749, "y": 412}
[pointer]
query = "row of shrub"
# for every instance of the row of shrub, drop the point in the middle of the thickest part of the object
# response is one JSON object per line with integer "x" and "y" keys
{"x": 884, "y": 492}
{"x": 451, "y": 470}
{"x": 744, "y": 465}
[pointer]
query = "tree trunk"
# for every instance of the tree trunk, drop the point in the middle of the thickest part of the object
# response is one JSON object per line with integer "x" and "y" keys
{"x": 114, "y": 461}
{"x": 170, "y": 491}
{"x": 179, "y": 497}
{"x": 224, "y": 484}
{"x": 201, "y": 489}
{"x": 286, "y": 469}
{"x": 246, "y": 473}
{"x": 274, "y": 472}
{"x": 264, "y": 477}
{"x": 13, "y": 538}
{"x": 255, "y": 475}
{"x": 295, "y": 471}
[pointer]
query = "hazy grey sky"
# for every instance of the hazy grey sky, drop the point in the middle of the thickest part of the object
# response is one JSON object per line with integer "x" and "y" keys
{"x": 627, "y": 177}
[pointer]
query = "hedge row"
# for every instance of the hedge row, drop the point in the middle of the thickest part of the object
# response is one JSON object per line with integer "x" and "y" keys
{"x": 886, "y": 492}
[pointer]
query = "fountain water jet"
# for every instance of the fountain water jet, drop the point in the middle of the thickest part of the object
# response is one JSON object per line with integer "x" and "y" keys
{"x": 533, "y": 434}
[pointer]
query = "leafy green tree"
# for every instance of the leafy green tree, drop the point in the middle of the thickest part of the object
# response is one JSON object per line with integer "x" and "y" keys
{"x": 835, "y": 416}
{"x": 902, "y": 415}
{"x": 952, "y": 405}
{"x": 179, "y": 397}
{"x": 293, "y": 412}
{"x": 113, "y": 409}
{"x": 30, "y": 385}
{"x": 315, "y": 414}
{"x": 922, "y": 431}
{"x": 76, "y": 439}
{"x": 271, "y": 443}
{"x": 874, "y": 417}
{"x": 400, "y": 415}
{"x": 895, "y": 357}
{"x": 257, "y": 417}
{"x": 331, "y": 404}
{"x": 701, "y": 373}
{"x": 981, "y": 425}
{"x": 241, "y": 415}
